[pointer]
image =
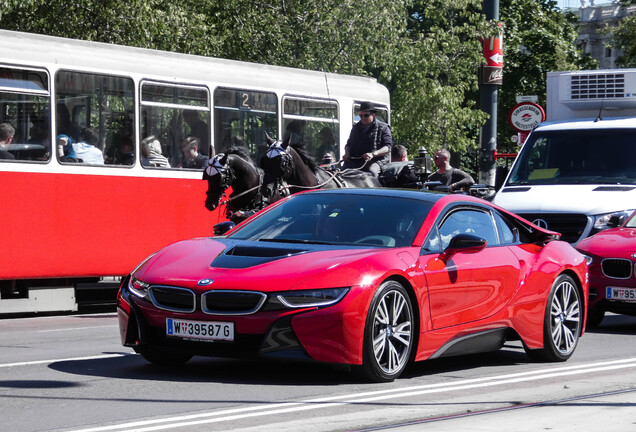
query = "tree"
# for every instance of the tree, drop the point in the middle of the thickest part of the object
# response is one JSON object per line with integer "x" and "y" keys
{"x": 434, "y": 81}
{"x": 624, "y": 38}
{"x": 539, "y": 38}
{"x": 160, "y": 24}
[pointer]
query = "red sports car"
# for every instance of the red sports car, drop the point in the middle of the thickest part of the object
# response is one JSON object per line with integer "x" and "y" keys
{"x": 612, "y": 257}
{"x": 372, "y": 278}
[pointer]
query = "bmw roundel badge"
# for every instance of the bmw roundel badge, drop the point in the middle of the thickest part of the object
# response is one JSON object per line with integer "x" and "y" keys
{"x": 205, "y": 282}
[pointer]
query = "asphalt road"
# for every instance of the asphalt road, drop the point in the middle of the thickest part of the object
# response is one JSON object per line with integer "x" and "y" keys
{"x": 70, "y": 373}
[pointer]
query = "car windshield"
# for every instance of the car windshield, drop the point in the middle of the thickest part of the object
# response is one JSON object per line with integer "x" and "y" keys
{"x": 577, "y": 157}
{"x": 366, "y": 220}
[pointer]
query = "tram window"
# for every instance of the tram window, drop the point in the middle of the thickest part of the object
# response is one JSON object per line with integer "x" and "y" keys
{"x": 24, "y": 109}
{"x": 178, "y": 117}
{"x": 97, "y": 113}
{"x": 245, "y": 118}
{"x": 314, "y": 124}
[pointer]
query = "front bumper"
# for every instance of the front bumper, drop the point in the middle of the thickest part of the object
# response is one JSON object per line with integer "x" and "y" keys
{"x": 332, "y": 334}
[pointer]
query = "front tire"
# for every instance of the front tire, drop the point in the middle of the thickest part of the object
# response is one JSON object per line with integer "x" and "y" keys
{"x": 388, "y": 333}
{"x": 562, "y": 322}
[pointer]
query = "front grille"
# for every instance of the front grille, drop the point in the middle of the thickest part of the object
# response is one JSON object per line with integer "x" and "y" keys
{"x": 617, "y": 268}
{"x": 173, "y": 299}
{"x": 597, "y": 86}
{"x": 570, "y": 225}
{"x": 232, "y": 302}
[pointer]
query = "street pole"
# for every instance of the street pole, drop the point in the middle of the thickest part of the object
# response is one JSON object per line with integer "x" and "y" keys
{"x": 491, "y": 77}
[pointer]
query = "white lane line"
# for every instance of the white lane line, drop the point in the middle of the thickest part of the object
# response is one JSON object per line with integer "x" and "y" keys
{"x": 356, "y": 398}
{"x": 38, "y": 362}
{"x": 77, "y": 328}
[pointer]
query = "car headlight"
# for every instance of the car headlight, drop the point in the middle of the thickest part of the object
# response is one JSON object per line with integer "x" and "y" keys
{"x": 588, "y": 259}
{"x": 139, "y": 288}
{"x": 312, "y": 298}
{"x": 610, "y": 220}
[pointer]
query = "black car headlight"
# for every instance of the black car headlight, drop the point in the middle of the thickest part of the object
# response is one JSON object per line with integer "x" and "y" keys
{"x": 312, "y": 298}
{"x": 611, "y": 220}
{"x": 139, "y": 288}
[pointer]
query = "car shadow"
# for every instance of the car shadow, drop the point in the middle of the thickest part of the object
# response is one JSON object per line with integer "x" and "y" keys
{"x": 616, "y": 324}
{"x": 265, "y": 372}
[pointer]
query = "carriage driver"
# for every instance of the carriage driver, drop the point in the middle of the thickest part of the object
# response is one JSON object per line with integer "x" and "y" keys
{"x": 369, "y": 144}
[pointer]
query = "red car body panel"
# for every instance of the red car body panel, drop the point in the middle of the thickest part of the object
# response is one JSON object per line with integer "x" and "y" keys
{"x": 613, "y": 244}
{"x": 503, "y": 287}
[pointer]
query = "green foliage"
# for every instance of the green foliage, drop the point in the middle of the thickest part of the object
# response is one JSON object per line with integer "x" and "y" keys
{"x": 539, "y": 38}
{"x": 624, "y": 38}
{"x": 435, "y": 87}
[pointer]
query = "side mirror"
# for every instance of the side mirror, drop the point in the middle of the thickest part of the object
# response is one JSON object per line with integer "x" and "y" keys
{"x": 223, "y": 227}
{"x": 463, "y": 243}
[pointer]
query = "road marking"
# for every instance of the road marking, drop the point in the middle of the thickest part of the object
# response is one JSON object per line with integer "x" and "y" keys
{"x": 37, "y": 362}
{"x": 357, "y": 398}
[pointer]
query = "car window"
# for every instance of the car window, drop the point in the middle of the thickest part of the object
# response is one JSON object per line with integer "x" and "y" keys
{"x": 468, "y": 221}
{"x": 432, "y": 243}
{"x": 506, "y": 232}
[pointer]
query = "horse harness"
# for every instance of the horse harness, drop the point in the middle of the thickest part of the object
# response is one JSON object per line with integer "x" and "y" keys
{"x": 287, "y": 166}
{"x": 227, "y": 178}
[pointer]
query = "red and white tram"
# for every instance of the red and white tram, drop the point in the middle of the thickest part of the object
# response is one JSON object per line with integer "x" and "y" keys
{"x": 70, "y": 220}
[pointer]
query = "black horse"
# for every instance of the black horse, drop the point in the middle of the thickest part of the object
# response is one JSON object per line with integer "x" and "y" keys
{"x": 237, "y": 170}
{"x": 289, "y": 169}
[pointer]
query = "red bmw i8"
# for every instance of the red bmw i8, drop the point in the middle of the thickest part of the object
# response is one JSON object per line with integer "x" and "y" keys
{"x": 373, "y": 278}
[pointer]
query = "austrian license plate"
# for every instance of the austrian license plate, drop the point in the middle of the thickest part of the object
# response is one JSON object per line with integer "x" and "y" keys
{"x": 200, "y": 330}
{"x": 621, "y": 294}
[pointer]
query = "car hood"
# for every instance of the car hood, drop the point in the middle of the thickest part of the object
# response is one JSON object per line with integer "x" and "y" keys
{"x": 588, "y": 199}
{"x": 232, "y": 264}
{"x": 613, "y": 240}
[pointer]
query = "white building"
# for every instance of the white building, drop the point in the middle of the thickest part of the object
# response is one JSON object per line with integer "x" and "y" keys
{"x": 595, "y": 15}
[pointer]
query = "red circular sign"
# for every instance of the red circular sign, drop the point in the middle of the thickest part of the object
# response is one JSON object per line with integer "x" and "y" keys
{"x": 526, "y": 116}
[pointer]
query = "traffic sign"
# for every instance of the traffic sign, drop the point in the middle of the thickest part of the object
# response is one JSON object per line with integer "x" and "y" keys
{"x": 525, "y": 116}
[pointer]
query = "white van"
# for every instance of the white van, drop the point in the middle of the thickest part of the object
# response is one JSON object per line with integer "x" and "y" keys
{"x": 578, "y": 169}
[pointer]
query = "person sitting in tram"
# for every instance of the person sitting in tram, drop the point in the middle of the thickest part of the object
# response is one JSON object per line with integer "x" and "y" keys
{"x": 191, "y": 156}
{"x": 6, "y": 136}
{"x": 86, "y": 149}
{"x": 151, "y": 153}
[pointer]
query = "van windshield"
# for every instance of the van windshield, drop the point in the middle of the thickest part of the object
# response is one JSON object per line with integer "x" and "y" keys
{"x": 604, "y": 156}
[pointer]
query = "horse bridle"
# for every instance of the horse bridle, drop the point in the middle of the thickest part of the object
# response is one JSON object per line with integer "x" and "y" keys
{"x": 227, "y": 178}
{"x": 286, "y": 167}
{"x": 224, "y": 171}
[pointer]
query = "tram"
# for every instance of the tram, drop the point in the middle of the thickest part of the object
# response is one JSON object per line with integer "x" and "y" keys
{"x": 79, "y": 213}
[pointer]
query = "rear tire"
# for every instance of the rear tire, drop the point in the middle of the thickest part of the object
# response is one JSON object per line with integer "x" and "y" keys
{"x": 388, "y": 333}
{"x": 561, "y": 323}
{"x": 164, "y": 357}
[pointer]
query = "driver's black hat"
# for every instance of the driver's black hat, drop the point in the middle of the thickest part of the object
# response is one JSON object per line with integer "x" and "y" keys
{"x": 368, "y": 106}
